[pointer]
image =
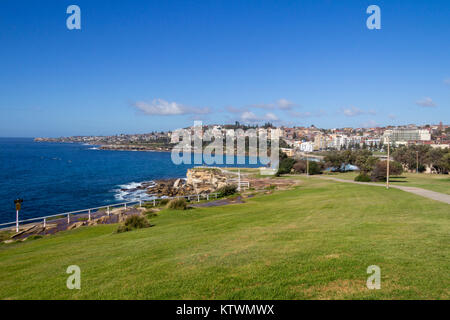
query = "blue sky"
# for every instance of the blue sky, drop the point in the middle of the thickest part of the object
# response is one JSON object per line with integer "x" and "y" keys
{"x": 139, "y": 66}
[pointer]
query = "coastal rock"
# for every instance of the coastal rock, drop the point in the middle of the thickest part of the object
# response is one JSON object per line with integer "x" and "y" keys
{"x": 205, "y": 180}
{"x": 76, "y": 225}
{"x": 24, "y": 231}
{"x": 198, "y": 181}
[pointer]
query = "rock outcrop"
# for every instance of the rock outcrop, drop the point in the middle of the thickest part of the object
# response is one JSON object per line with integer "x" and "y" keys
{"x": 205, "y": 180}
{"x": 198, "y": 181}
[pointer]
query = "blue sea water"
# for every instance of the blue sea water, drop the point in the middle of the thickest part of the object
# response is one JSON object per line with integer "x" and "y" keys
{"x": 59, "y": 177}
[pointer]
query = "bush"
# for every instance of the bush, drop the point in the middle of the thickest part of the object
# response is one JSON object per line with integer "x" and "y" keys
{"x": 379, "y": 172}
{"x": 315, "y": 167}
{"x": 362, "y": 177}
{"x": 5, "y": 235}
{"x": 164, "y": 202}
{"x": 300, "y": 166}
{"x": 271, "y": 187}
{"x": 227, "y": 190}
{"x": 133, "y": 222}
{"x": 35, "y": 237}
{"x": 285, "y": 164}
{"x": 150, "y": 214}
{"x": 177, "y": 204}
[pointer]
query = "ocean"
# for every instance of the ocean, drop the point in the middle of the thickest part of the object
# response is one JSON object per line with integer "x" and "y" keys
{"x": 53, "y": 178}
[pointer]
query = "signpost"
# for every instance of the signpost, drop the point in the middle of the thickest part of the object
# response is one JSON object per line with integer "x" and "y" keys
{"x": 18, "y": 203}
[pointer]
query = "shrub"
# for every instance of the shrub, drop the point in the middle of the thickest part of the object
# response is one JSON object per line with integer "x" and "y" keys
{"x": 271, "y": 187}
{"x": 150, "y": 213}
{"x": 164, "y": 202}
{"x": 227, "y": 190}
{"x": 315, "y": 167}
{"x": 35, "y": 237}
{"x": 300, "y": 166}
{"x": 5, "y": 235}
{"x": 133, "y": 222}
{"x": 177, "y": 204}
{"x": 379, "y": 172}
{"x": 362, "y": 177}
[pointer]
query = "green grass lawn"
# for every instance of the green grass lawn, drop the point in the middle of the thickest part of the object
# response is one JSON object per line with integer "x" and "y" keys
{"x": 313, "y": 242}
{"x": 433, "y": 182}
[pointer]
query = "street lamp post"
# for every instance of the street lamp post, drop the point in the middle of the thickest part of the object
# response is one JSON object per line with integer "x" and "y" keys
{"x": 417, "y": 161}
{"x": 239, "y": 180}
{"x": 387, "y": 164}
{"x": 18, "y": 203}
{"x": 307, "y": 165}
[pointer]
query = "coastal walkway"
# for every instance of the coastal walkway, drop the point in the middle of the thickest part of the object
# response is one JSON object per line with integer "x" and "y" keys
{"x": 442, "y": 197}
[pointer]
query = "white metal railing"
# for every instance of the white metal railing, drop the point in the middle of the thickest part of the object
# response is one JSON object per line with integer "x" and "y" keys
{"x": 89, "y": 211}
{"x": 241, "y": 183}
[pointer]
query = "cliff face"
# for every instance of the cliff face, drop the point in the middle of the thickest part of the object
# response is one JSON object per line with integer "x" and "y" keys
{"x": 205, "y": 179}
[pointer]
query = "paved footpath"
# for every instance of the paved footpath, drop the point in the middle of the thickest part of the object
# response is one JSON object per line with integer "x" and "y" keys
{"x": 442, "y": 197}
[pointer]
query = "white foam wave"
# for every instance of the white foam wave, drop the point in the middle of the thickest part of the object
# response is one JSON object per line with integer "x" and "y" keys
{"x": 130, "y": 192}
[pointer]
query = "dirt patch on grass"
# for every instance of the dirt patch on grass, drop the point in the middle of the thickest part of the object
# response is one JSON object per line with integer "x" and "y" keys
{"x": 346, "y": 289}
{"x": 221, "y": 202}
{"x": 279, "y": 184}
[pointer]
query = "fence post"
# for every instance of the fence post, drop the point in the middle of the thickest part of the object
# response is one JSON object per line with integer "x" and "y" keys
{"x": 107, "y": 210}
{"x": 154, "y": 202}
{"x": 140, "y": 203}
{"x": 89, "y": 214}
{"x": 198, "y": 198}
{"x": 68, "y": 218}
{"x": 207, "y": 197}
{"x": 125, "y": 206}
{"x": 45, "y": 222}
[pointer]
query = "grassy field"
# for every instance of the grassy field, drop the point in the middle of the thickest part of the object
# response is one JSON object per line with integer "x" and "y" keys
{"x": 433, "y": 182}
{"x": 313, "y": 242}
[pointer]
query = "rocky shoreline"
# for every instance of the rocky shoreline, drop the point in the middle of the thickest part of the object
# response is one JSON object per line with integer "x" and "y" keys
{"x": 197, "y": 181}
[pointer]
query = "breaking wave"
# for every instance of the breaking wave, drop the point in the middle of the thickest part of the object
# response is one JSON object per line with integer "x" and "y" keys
{"x": 134, "y": 191}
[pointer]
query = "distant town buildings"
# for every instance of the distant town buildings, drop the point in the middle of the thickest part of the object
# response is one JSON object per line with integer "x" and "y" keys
{"x": 403, "y": 136}
{"x": 297, "y": 139}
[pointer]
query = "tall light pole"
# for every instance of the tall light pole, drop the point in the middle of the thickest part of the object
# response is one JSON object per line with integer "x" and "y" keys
{"x": 417, "y": 161}
{"x": 18, "y": 203}
{"x": 387, "y": 164}
{"x": 239, "y": 180}
{"x": 307, "y": 165}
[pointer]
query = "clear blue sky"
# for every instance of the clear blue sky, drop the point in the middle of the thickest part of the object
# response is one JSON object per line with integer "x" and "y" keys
{"x": 138, "y": 66}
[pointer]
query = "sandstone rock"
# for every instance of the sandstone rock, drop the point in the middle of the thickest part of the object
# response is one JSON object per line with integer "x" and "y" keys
{"x": 102, "y": 220}
{"x": 24, "y": 231}
{"x": 199, "y": 181}
{"x": 76, "y": 225}
{"x": 205, "y": 180}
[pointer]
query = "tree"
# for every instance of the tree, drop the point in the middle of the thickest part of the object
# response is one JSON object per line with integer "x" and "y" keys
{"x": 434, "y": 157}
{"x": 407, "y": 156}
{"x": 380, "y": 170}
{"x": 366, "y": 163}
{"x": 285, "y": 164}
{"x": 445, "y": 162}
